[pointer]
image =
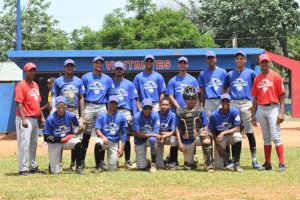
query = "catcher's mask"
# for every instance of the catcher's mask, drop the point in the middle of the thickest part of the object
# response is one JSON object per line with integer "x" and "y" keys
{"x": 189, "y": 92}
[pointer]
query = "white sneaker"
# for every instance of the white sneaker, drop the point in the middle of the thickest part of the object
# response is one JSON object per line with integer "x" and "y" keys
{"x": 153, "y": 167}
{"x": 230, "y": 166}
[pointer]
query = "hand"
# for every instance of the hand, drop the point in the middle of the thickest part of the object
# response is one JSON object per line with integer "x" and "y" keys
{"x": 280, "y": 118}
{"x": 158, "y": 137}
{"x": 105, "y": 141}
{"x": 219, "y": 138}
{"x": 120, "y": 153}
{"x": 181, "y": 147}
{"x": 254, "y": 121}
{"x": 161, "y": 141}
{"x": 43, "y": 121}
{"x": 51, "y": 138}
{"x": 24, "y": 123}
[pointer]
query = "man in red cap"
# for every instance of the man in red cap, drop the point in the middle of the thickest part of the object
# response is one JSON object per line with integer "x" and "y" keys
{"x": 268, "y": 93}
{"x": 28, "y": 111}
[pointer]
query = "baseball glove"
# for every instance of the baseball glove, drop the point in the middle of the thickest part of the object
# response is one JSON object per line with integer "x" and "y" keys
{"x": 67, "y": 138}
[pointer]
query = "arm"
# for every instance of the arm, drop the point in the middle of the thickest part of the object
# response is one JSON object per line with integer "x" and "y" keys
{"x": 282, "y": 108}
{"x": 161, "y": 96}
{"x": 45, "y": 106}
{"x": 141, "y": 135}
{"x": 20, "y": 109}
{"x": 122, "y": 143}
{"x": 81, "y": 103}
{"x": 173, "y": 101}
{"x": 134, "y": 105}
{"x": 100, "y": 135}
{"x": 254, "y": 108}
{"x": 220, "y": 137}
{"x": 180, "y": 144}
{"x": 202, "y": 97}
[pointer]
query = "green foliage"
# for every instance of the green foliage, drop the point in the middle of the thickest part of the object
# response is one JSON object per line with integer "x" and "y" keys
{"x": 294, "y": 46}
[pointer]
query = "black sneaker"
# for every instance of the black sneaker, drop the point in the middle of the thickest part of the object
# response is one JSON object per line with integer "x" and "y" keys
{"x": 173, "y": 166}
{"x": 97, "y": 170}
{"x": 36, "y": 171}
{"x": 265, "y": 166}
{"x": 24, "y": 173}
{"x": 79, "y": 170}
{"x": 281, "y": 167}
{"x": 103, "y": 165}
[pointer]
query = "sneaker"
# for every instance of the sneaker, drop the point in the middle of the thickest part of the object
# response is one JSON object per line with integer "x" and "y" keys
{"x": 210, "y": 170}
{"x": 24, "y": 173}
{"x": 79, "y": 170}
{"x": 173, "y": 166}
{"x": 103, "y": 165}
{"x": 72, "y": 167}
{"x": 230, "y": 166}
{"x": 187, "y": 166}
{"x": 265, "y": 166}
{"x": 281, "y": 167}
{"x": 255, "y": 165}
{"x": 97, "y": 170}
{"x": 238, "y": 168}
{"x": 36, "y": 171}
{"x": 128, "y": 164}
{"x": 153, "y": 167}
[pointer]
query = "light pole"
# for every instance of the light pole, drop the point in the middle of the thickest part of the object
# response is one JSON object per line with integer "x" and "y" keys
{"x": 19, "y": 28}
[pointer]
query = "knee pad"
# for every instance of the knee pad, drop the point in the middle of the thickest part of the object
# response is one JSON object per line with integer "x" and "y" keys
{"x": 98, "y": 146}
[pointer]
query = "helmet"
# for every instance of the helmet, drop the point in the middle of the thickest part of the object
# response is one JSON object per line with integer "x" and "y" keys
{"x": 189, "y": 92}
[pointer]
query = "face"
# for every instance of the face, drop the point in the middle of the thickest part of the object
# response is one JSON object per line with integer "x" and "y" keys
{"x": 190, "y": 103}
{"x": 30, "y": 73}
{"x": 147, "y": 111}
{"x": 182, "y": 66}
{"x": 69, "y": 69}
{"x": 225, "y": 104}
{"x": 211, "y": 61}
{"x": 165, "y": 105}
{"x": 119, "y": 71}
{"x": 240, "y": 61}
{"x": 112, "y": 106}
{"x": 60, "y": 108}
{"x": 49, "y": 85}
{"x": 149, "y": 64}
{"x": 265, "y": 65}
{"x": 98, "y": 65}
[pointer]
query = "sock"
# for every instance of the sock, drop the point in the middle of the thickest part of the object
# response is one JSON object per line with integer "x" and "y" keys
{"x": 85, "y": 143}
{"x": 153, "y": 158}
{"x": 236, "y": 148}
{"x": 280, "y": 153}
{"x": 173, "y": 154}
{"x": 97, "y": 153}
{"x": 127, "y": 150}
{"x": 73, "y": 156}
{"x": 102, "y": 155}
{"x": 78, "y": 154}
{"x": 252, "y": 144}
{"x": 267, "y": 150}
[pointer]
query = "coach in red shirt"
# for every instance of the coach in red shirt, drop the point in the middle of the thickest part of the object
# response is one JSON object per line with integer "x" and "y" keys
{"x": 268, "y": 93}
{"x": 28, "y": 111}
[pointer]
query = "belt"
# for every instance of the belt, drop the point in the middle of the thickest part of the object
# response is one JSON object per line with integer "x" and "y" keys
{"x": 32, "y": 117}
{"x": 93, "y": 102}
{"x": 270, "y": 104}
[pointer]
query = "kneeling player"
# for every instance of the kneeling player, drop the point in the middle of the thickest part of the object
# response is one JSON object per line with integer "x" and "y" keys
{"x": 167, "y": 128}
{"x": 146, "y": 133}
{"x": 60, "y": 130}
{"x": 110, "y": 128}
{"x": 192, "y": 131}
{"x": 224, "y": 124}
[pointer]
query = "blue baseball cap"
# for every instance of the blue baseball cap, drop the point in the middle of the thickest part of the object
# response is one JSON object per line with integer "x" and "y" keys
{"x": 182, "y": 58}
{"x": 69, "y": 61}
{"x": 149, "y": 57}
{"x": 98, "y": 58}
{"x": 211, "y": 54}
{"x": 147, "y": 102}
{"x": 241, "y": 53}
{"x": 225, "y": 96}
{"x": 60, "y": 99}
{"x": 113, "y": 98}
{"x": 119, "y": 64}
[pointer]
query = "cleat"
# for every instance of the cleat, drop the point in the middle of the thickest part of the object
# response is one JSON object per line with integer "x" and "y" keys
{"x": 265, "y": 166}
{"x": 281, "y": 167}
{"x": 173, "y": 166}
{"x": 72, "y": 167}
{"x": 24, "y": 173}
{"x": 36, "y": 171}
{"x": 238, "y": 168}
{"x": 255, "y": 165}
{"x": 79, "y": 170}
{"x": 230, "y": 166}
{"x": 153, "y": 167}
{"x": 103, "y": 165}
{"x": 128, "y": 164}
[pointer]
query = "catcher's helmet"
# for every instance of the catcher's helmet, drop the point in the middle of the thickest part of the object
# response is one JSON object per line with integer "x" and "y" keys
{"x": 189, "y": 92}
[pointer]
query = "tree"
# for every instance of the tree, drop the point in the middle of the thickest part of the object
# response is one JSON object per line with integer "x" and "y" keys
{"x": 294, "y": 45}
{"x": 140, "y": 7}
{"x": 39, "y": 30}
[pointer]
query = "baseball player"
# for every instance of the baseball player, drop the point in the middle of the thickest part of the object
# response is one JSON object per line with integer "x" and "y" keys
{"x": 175, "y": 89}
{"x": 146, "y": 133}
{"x": 127, "y": 96}
{"x": 59, "y": 132}
{"x": 27, "y": 98}
{"x": 48, "y": 105}
{"x": 110, "y": 128}
{"x": 238, "y": 83}
{"x": 224, "y": 125}
{"x": 268, "y": 92}
{"x": 71, "y": 87}
{"x": 97, "y": 85}
{"x": 150, "y": 84}
{"x": 167, "y": 128}
{"x": 192, "y": 131}
{"x": 211, "y": 82}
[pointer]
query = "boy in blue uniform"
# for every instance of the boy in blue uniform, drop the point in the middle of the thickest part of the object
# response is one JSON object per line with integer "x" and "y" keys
{"x": 110, "y": 129}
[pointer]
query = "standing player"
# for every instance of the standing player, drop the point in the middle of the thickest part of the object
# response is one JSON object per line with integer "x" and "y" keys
{"x": 48, "y": 105}
{"x": 192, "y": 131}
{"x": 175, "y": 89}
{"x": 97, "y": 85}
{"x": 110, "y": 128}
{"x": 167, "y": 128}
{"x": 239, "y": 83}
{"x": 71, "y": 87}
{"x": 211, "y": 82}
{"x": 127, "y": 95}
{"x": 146, "y": 133}
{"x": 224, "y": 124}
{"x": 28, "y": 111}
{"x": 59, "y": 132}
{"x": 268, "y": 93}
{"x": 150, "y": 84}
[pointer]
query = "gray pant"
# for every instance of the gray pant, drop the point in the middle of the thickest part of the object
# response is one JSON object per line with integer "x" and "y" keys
{"x": 112, "y": 153}
{"x": 27, "y": 142}
{"x": 244, "y": 107}
{"x": 160, "y": 150}
{"x": 268, "y": 122}
{"x": 91, "y": 112}
{"x": 188, "y": 154}
{"x": 141, "y": 152}
{"x": 211, "y": 105}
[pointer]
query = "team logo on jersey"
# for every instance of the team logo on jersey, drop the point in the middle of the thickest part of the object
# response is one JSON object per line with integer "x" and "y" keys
{"x": 224, "y": 126}
{"x": 62, "y": 130}
{"x": 112, "y": 127}
{"x": 147, "y": 128}
{"x": 239, "y": 83}
{"x": 181, "y": 87}
{"x": 34, "y": 93}
{"x": 215, "y": 83}
{"x": 265, "y": 84}
{"x": 121, "y": 93}
{"x": 97, "y": 87}
{"x": 150, "y": 86}
{"x": 164, "y": 126}
{"x": 70, "y": 92}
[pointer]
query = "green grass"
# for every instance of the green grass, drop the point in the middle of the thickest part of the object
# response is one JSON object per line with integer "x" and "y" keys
{"x": 164, "y": 184}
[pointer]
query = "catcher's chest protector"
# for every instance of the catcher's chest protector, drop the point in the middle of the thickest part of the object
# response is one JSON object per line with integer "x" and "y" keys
{"x": 190, "y": 123}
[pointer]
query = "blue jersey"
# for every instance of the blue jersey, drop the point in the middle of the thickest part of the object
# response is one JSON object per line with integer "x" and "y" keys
{"x": 71, "y": 89}
{"x": 219, "y": 122}
{"x": 149, "y": 85}
{"x": 111, "y": 126}
{"x": 212, "y": 82}
{"x": 204, "y": 120}
{"x": 126, "y": 93}
{"x": 177, "y": 84}
{"x": 240, "y": 83}
{"x": 97, "y": 87}
{"x": 145, "y": 125}
{"x": 58, "y": 126}
{"x": 167, "y": 122}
